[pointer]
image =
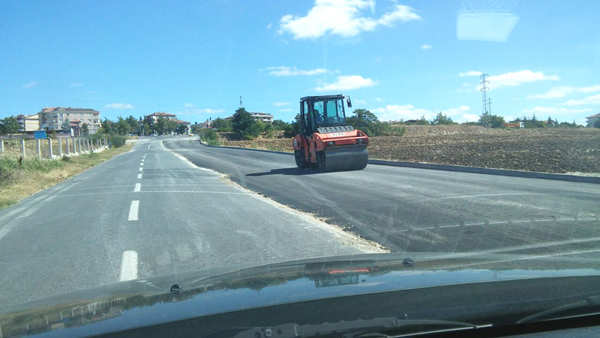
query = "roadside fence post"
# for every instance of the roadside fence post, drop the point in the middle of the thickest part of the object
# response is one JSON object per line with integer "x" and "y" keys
{"x": 68, "y": 149}
{"x": 60, "y": 153}
{"x": 23, "y": 148}
{"x": 39, "y": 148}
{"x": 50, "y": 148}
{"x": 79, "y": 144}
{"x": 2, "y": 146}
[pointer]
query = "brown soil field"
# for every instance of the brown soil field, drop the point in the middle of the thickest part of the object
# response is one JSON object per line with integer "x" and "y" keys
{"x": 540, "y": 150}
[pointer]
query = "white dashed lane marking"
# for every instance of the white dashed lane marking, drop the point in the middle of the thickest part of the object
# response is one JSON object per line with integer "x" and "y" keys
{"x": 139, "y": 176}
{"x": 138, "y": 187}
{"x": 129, "y": 265}
{"x": 134, "y": 210}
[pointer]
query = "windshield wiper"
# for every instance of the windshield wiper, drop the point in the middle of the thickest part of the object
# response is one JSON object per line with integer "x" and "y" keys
{"x": 587, "y": 307}
{"x": 378, "y": 327}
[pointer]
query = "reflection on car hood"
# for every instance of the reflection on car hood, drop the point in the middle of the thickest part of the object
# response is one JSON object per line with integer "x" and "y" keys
{"x": 212, "y": 291}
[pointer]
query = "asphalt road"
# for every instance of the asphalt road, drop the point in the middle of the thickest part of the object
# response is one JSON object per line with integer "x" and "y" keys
{"x": 145, "y": 213}
{"x": 172, "y": 205}
{"x": 418, "y": 210}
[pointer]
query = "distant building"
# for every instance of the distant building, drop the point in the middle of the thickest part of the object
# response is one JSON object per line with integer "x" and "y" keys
{"x": 28, "y": 123}
{"x": 265, "y": 117}
{"x": 54, "y": 118}
{"x": 152, "y": 118}
{"x": 592, "y": 119}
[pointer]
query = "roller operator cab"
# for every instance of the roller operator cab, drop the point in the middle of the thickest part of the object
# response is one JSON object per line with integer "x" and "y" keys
{"x": 325, "y": 140}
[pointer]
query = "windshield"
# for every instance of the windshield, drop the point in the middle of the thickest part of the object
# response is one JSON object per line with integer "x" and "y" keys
{"x": 329, "y": 112}
{"x": 144, "y": 141}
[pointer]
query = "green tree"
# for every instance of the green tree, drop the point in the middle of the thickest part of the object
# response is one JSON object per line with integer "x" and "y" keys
{"x": 491, "y": 121}
{"x": 66, "y": 125}
{"x": 85, "y": 129}
{"x": 123, "y": 127}
{"x": 292, "y": 129}
{"x": 160, "y": 126}
{"x": 181, "y": 129}
{"x": 497, "y": 121}
{"x": 222, "y": 125}
{"x": 133, "y": 123}
{"x": 9, "y": 125}
{"x": 244, "y": 125}
{"x": 146, "y": 129}
{"x": 279, "y": 125}
{"x": 441, "y": 118}
{"x": 596, "y": 124}
{"x": 422, "y": 121}
{"x": 485, "y": 120}
{"x": 108, "y": 126}
{"x": 170, "y": 126}
{"x": 365, "y": 121}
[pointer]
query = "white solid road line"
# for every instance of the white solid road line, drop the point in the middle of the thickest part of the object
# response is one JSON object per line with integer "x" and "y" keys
{"x": 138, "y": 187}
{"x": 129, "y": 266}
{"x": 139, "y": 176}
{"x": 134, "y": 210}
{"x": 142, "y": 164}
{"x": 141, "y": 169}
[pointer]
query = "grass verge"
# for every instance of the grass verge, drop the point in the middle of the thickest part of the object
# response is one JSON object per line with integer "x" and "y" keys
{"x": 36, "y": 175}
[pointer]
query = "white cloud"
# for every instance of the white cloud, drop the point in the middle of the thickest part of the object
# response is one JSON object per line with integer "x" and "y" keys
{"x": 76, "y": 85}
{"x": 281, "y": 104}
{"x": 189, "y": 105}
{"x": 560, "y": 92}
{"x": 517, "y": 78}
{"x": 594, "y": 99}
{"x": 192, "y": 111}
{"x": 293, "y": 71}
{"x": 485, "y": 26}
{"x": 409, "y": 112}
{"x": 342, "y": 17}
{"x": 285, "y": 110}
{"x": 456, "y": 111}
{"x": 30, "y": 84}
{"x": 402, "y": 112}
{"x": 119, "y": 106}
{"x": 555, "y": 110}
{"x": 590, "y": 89}
{"x": 346, "y": 82}
{"x": 269, "y": 25}
{"x": 470, "y": 73}
{"x": 465, "y": 85}
{"x": 359, "y": 101}
{"x": 467, "y": 118}
{"x": 378, "y": 99}
{"x": 425, "y": 47}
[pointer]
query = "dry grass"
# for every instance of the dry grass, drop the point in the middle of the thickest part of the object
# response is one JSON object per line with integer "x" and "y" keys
{"x": 24, "y": 183}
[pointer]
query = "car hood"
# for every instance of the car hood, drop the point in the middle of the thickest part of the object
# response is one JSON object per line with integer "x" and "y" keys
{"x": 150, "y": 301}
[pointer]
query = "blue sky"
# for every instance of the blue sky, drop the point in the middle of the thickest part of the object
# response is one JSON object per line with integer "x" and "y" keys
{"x": 400, "y": 59}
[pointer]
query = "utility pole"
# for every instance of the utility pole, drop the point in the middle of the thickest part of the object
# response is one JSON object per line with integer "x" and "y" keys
{"x": 484, "y": 89}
